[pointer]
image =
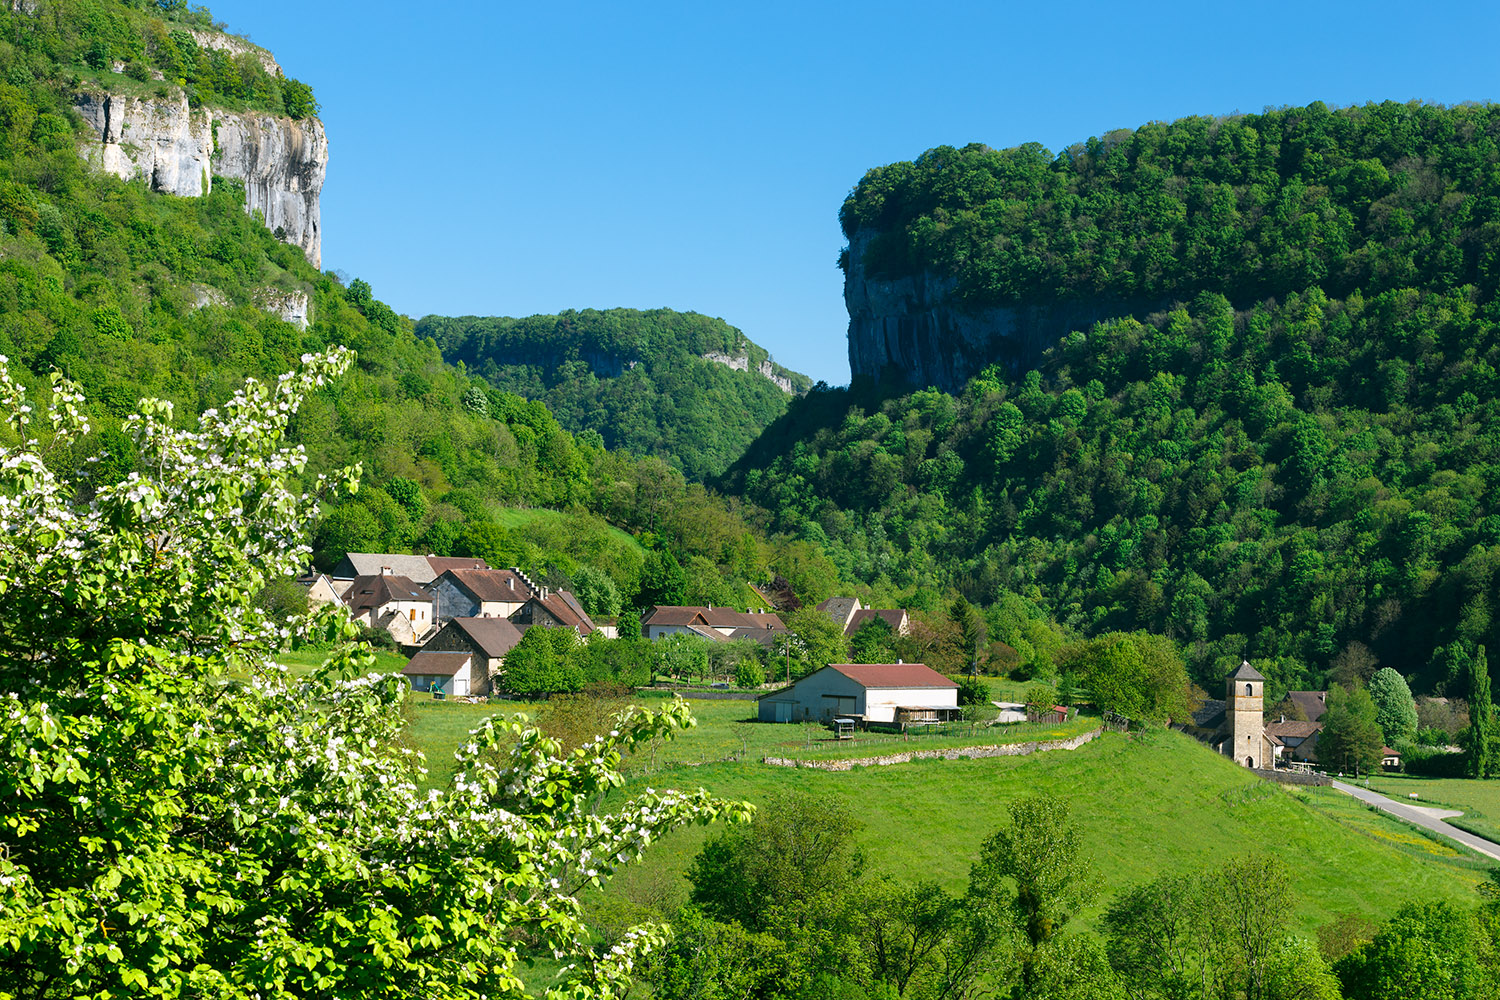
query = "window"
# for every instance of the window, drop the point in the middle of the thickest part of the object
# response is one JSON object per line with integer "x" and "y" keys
{"x": 1248, "y": 690}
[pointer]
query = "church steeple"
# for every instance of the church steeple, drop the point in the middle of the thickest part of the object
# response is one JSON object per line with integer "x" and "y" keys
{"x": 1244, "y": 702}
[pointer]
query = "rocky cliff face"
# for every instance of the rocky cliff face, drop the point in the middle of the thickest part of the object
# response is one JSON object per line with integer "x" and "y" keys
{"x": 282, "y": 161}
{"x": 909, "y": 329}
{"x": 741, "y": 363}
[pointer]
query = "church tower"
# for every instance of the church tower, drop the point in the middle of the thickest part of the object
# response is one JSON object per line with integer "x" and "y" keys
{"x": 1244, "y": 703}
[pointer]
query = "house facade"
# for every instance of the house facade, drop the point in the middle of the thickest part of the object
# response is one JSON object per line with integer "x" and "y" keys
{"x": 442, "y": 673}
{"x": 477, "y": 593}
{"x": 851, "y": 615}
{"x": 487, "y": 640}
{"x": 558, "y": 609}
{"x": 896, "y": 693}
{"x": 379, "y": 600}
{"x": 709, "y": 622}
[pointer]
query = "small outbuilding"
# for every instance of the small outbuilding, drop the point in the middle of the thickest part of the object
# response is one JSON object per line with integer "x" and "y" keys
{"x": 865, "y": 693}
{"x": 442, "y": 673}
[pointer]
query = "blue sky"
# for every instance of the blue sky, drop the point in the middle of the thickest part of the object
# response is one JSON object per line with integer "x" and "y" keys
{"x": 511, "y": 159}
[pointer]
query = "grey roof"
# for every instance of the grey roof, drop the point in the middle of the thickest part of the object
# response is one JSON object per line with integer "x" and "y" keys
{"x": 1246, "y": 673}
{"x": 367, "y": 592}
{"x": 429, "y": 663}
{"x": 415, "y": 568}
{"x": 840, "y": 609}
{"x": 1312, "y": 703}
{"x": 1210, "y": 715}
{"x": 496, "y": 636}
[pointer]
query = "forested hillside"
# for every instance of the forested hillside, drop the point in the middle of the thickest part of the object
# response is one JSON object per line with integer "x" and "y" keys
{"x": 1295, "y": 461}
{"x": 135, "y": 293}
{"x": 650, "y": 383}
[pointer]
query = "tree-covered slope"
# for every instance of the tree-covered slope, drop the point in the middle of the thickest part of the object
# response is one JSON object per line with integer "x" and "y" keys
{"x": 134, "y": 293}
{"x": 651, "y": 383}
{"x": 1374, "y": 197}
{"x": 1287, "y": 479}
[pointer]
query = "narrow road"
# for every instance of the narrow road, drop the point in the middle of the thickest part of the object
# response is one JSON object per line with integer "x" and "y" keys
{"x": 1425, "y": 816}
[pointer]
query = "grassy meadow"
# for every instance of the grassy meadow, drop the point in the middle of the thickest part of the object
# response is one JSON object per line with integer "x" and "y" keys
{"x": 1145, "y": 805}
{"x": 1479, "y": 800}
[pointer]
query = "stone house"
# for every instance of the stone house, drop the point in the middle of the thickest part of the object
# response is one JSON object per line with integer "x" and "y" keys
{"x": 554, "y": 609}
{"x": 479, "y": 593}
{"x": 486, "y": 640}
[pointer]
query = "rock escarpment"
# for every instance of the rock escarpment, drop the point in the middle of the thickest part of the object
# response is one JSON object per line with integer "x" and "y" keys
{"x": 741, "y": 363}
{"x": 910, "y": 329}
{"x": 177, "y": 149}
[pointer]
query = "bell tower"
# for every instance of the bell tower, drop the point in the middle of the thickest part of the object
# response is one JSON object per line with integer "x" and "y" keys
{"x": 1244, "y": 704}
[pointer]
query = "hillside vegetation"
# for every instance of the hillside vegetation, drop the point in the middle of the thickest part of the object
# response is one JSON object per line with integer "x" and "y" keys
{"x": 1297, "y": 457}
{"x": 639, "y": 380}
{"x": 133, "y": 293}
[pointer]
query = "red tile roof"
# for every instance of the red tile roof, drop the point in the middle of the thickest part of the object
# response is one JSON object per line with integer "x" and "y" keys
{"x": 495, "y": 636}
{"x": 442, "y": 564}
{"x": 893, "y": 675}
{"x": 497, "y": 585}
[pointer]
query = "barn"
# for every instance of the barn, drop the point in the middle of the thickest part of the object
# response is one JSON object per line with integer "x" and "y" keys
{"x": 865, "y": 692}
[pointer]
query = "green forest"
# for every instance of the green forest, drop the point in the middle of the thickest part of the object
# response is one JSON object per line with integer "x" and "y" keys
{"x": 637, "y": 379}
{"x": 1293, "y": 461}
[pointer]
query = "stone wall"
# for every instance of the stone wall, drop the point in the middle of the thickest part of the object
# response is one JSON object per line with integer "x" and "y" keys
{"x": 1292, "y": 777}
{"x": 955, "y": 753}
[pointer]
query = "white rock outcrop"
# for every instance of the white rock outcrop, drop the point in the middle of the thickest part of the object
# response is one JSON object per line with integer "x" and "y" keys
{"x": 160, "y": 139}
{"x": 282, "y": 161}
{"x": 235, "y": 45}
{"x": 741, "y": 363}
{"x": 291, "y": 307}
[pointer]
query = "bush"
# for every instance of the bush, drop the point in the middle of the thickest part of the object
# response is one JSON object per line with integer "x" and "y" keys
{"x": 972, "y": 691}
{"x": 749, "y": 674}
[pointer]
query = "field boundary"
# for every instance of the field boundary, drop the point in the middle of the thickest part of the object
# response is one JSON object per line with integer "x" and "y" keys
{"x": 954, "y": 753}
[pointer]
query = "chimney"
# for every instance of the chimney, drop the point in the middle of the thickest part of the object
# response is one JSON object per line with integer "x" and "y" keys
{"x": 385, "y": 571}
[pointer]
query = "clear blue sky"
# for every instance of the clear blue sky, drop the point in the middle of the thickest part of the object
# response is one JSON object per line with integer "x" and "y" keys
{"x": 511, "y": 159}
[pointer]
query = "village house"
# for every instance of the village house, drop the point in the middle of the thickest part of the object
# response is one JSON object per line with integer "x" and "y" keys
{"x": 851, "y": 615}
{"x": 393, "y": 603}
{"x": 485, "y": 640}
{"x": 418, "y": 569}
{"x": 716, "y": 624}
{"x": 323, "y": 589}
{"x": 896, "y": 693}
{"x": 554, "y": 609}
{"x": 480, "y": 593}
{"x": 444, "y": 673}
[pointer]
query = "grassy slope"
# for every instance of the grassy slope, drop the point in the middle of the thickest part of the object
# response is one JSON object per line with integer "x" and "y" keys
{"x": 527, "y": 518}
{"x": 1144, "y": 808}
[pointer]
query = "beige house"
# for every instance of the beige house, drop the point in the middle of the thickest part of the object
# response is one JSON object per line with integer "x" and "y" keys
{"x": 479, "y": 593}
{"x": 323, "y": 589}
{"x": 486, "y": 640}
{"x": 899, "y": 693}
{"x": 392, "y": 602}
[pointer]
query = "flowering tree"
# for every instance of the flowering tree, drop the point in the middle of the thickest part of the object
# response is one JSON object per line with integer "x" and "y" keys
{"x": 180, "y": 817}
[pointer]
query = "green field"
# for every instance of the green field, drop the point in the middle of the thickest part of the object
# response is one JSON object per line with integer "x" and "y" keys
{"x": 1479, "y": 800}
{"x": 1145, "y": 806}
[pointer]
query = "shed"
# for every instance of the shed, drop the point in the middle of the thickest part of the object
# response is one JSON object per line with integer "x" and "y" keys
{"x": 866, "y": 692}
{"x": 441, "y": 673}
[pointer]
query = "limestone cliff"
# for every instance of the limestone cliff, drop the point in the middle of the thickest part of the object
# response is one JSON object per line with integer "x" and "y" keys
{"x": 741, "y": 363}
{"x": 283, "y": 162}
{"x": 177, "y": 149}
{"x": 911, "y": 330}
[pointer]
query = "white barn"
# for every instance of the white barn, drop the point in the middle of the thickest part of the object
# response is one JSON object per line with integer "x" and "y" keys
{"x": 865, "y": 692}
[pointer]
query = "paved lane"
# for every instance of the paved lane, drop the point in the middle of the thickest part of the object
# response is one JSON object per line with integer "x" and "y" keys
{"x": 1432, "y": 819}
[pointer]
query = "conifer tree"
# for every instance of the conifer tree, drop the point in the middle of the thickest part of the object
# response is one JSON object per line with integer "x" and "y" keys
{"x": 1479, "y": 741}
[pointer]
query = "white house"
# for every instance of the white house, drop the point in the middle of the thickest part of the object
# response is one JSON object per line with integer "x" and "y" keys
{"x": 865, "y": 692}
{"x": 378, "y": 600}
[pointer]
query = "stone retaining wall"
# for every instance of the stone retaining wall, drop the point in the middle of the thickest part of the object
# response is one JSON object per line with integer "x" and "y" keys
{"x": 954, "y": 753}
{"x": 1292, "y": 777}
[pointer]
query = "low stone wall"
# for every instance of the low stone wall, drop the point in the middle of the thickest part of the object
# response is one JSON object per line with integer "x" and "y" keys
{"x": 953, "y": 753}
{"x": 1292, "y": 777}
